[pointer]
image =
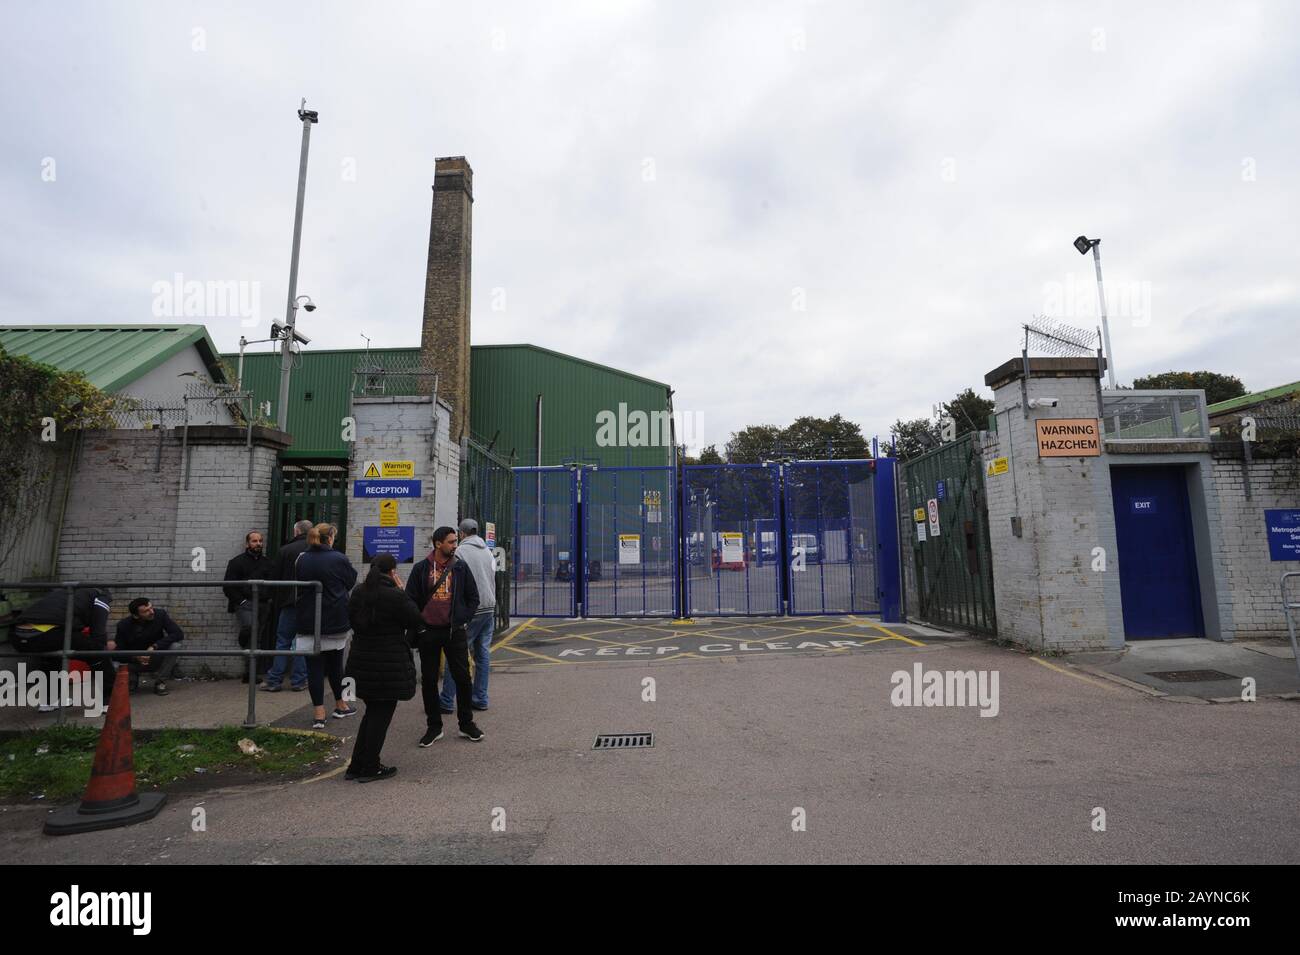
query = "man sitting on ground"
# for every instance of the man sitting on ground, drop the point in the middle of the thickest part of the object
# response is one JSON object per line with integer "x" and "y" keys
{"x": 148, "y": 628}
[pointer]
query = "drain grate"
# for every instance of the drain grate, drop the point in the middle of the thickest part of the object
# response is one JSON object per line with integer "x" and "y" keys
{"x": 624, "y": 741}
{"x": 1192, "y": 676}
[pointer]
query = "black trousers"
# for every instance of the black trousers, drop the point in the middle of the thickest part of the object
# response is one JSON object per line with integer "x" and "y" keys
{"x": 327, "y": 663}
{"x": 161, "y": 667}
{"x": 370, "y": 736}
{"x": 433, "y": 643}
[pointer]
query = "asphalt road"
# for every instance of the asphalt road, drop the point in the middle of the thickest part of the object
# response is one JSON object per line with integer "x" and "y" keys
{"x": 744, "y": 741}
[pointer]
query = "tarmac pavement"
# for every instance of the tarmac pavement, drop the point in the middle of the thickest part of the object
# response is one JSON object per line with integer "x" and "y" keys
{"x": 749, "y": 743}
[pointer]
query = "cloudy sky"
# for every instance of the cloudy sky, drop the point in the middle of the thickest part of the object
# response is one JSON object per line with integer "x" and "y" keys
{"x": 779, "y": 209}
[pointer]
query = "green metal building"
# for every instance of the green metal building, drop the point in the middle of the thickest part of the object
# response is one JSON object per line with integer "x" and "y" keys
{"x": 577, "y": 397}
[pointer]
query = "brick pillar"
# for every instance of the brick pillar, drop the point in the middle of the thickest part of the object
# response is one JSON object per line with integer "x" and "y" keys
{"x": 444, "y": 339}
{"x": 1047, "y": 515}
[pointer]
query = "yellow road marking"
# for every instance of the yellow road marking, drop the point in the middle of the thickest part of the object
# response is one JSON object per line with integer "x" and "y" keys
{"x": 538, "y": 655}
{"x": 512, "y": 634}
{"x": 330, "y": 775}
{"x": 896, "y": 636}
{"x": 1077, "y": 676}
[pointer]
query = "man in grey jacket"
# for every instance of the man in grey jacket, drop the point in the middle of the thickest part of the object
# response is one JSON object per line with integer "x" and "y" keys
{"x": 474, "y": 551}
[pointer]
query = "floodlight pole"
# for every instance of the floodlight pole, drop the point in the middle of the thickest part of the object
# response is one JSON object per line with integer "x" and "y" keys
{"x": 1105, "y": 325}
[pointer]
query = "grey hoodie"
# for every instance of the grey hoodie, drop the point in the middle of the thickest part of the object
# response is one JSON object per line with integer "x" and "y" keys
{"x": 474, "y": 552}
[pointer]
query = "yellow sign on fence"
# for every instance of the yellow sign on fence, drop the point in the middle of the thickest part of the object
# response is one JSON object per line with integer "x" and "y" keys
{"x": 998, "y": 466}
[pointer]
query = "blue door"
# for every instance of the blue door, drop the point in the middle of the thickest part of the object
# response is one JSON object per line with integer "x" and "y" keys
{"x": 1157, "y": 553}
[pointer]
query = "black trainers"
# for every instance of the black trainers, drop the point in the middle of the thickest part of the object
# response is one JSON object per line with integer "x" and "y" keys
{"x": 271, "y": 687}
{"x": 431, "y": 736}
{"x": 160, "y": 688}
{"x": 385, "y": 772}
{"x": 471, "y": 732}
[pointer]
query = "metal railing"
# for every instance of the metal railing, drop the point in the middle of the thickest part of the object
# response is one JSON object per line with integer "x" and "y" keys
{"x": 1287, "y": 607}
{"x": 252, "y": 652}
{"x": 1155, "y": 415}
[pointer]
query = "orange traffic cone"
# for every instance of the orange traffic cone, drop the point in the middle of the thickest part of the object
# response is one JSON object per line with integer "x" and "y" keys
{"x": 110, "y": 800}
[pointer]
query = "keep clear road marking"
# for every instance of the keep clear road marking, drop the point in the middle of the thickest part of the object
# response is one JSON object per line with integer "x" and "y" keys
{"x": 1077, "y": 676}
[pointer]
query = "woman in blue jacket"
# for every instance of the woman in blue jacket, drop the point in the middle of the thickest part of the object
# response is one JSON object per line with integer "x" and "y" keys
{"x": 320, "y": 561}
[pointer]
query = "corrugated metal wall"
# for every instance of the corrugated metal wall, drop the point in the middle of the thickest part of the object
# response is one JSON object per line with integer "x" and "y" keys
{"x": 318, "y": 394}
{"x": 505, "y": 381}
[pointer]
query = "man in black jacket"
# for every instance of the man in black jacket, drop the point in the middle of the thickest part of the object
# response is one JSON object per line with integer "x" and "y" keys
{"x": 148, "y": 628}
{"x": 252, "y": 564}
{"x": 443, "y": 588}
{"x": 287, "y": 619}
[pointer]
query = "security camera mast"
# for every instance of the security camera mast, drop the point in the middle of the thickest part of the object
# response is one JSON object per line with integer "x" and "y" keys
{"x": 308, "y": 117}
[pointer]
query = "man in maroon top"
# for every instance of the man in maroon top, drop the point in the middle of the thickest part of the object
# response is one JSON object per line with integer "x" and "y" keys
{"x": 443, "y": 587}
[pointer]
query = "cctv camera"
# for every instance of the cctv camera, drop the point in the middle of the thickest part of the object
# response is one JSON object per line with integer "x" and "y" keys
{"x": 1044, "y": 402}
{"x": 311, "y": 307}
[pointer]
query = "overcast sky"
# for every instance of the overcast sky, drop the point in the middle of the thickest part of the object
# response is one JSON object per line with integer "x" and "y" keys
{"x": 779, "y": 209}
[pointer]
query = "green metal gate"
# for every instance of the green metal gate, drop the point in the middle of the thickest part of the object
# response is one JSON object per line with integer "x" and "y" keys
{"x": 954, "y": 571}
{"x": 313, "y": 492}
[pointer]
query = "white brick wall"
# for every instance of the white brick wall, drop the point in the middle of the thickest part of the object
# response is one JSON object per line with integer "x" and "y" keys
{"x": 405, "y": 429}
{"x": 126, "y": 521}
{"x": 1252, "y": 578}
{"x": 1046, "y": 593}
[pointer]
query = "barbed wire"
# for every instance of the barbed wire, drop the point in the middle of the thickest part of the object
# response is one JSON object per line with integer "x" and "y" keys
{"x": 1057, "y": 338}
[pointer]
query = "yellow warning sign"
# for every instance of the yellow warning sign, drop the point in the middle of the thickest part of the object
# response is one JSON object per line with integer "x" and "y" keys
{"x": 997, "y": 466}
{"x": 388, "y": 513}
{"x": 388, "y": 469}
{"x": 918, "y": 514}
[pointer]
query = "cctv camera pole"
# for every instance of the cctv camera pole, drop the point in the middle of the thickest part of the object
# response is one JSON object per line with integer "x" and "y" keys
{"x": 1105, "y": 325}
{"x": 308, "y": 117}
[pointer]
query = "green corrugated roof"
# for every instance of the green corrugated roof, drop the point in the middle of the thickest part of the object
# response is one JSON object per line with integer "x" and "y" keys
{"x": 1246, "y": 401}
{"x": 110, "y": 356}
{"x": 581, "y": 361}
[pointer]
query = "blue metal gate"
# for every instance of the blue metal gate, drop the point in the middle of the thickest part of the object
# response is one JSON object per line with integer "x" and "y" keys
{"x": 732, "y": 542}
{"x": 629, "y": 535}
{"x": 831, "y": 537}
{"x": 546, "y": 556}
{"x": 806, "y": 537}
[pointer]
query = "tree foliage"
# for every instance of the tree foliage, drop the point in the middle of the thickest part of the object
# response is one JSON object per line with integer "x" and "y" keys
{"x": 38, "y": 404}
{"x": 1217, "y": 387}
{"x": 968, "y": 411}
{"x": 806, "y": 438}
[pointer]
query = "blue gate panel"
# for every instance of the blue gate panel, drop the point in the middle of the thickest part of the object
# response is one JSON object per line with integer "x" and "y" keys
{"x": 732, "y": 539}
{"x": 830, "y": 512}
{"x": 1159, "y": 589}
{"x": 545, "y": 563}
{"x": 629, "y": 533}
{"x": 889, "y": 583}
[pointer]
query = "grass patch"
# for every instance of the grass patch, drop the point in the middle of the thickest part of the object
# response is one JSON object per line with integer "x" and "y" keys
{"x": 54, "y": 763}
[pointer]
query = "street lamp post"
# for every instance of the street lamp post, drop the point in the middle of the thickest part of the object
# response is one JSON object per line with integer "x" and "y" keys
{"x": 1083, "y": 244}
{"x": 308, "y": 117}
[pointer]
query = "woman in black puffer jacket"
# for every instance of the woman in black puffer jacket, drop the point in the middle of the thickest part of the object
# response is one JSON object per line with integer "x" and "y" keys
{"x": 384, "y": 622}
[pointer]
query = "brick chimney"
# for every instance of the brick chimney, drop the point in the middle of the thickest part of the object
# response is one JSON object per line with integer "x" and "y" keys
{"x": 444, "y": 339}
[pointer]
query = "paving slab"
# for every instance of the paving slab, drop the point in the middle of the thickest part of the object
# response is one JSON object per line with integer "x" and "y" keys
{"x": 1159, "y": 664}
